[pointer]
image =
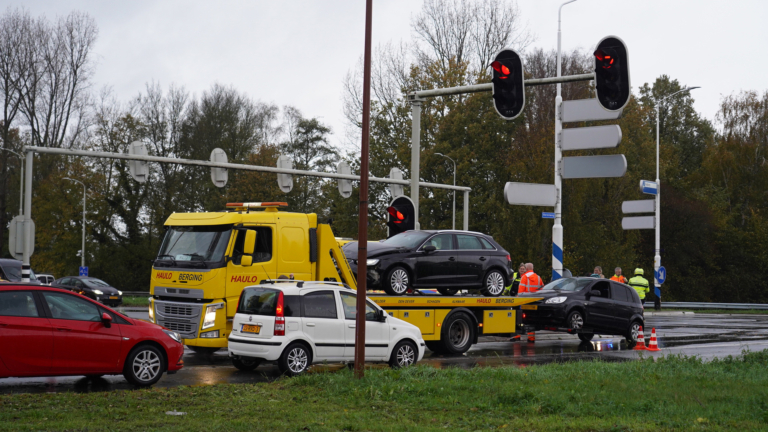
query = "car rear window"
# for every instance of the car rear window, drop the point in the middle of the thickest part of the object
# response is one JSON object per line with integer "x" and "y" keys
{"x": 263, "y": 301}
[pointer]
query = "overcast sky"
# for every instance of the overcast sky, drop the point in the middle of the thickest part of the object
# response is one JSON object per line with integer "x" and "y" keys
{"x": 298, "y": 52}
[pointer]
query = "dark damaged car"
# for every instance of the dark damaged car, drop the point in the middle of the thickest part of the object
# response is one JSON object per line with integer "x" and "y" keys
{"x": 446, "y": 260}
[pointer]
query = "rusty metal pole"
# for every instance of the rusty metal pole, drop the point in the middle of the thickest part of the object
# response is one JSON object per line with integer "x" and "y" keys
{"x": 362, "y": 231}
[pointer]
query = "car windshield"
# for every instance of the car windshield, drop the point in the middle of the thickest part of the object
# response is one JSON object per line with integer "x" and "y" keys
{"x": 96, "y": 283}
{"x": 568, "y": 284}
{"x": 195, "y": 243}
{"x": 409, "y": 239}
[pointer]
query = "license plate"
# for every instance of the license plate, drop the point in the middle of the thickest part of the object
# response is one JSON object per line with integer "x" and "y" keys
{"x": 529, "y": 307}
{"x": 251, "y": 328}
{"x": 113, "y": 298}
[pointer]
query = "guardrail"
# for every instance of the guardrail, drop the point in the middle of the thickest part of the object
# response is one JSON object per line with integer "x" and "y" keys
{"x": 706, "y": 305}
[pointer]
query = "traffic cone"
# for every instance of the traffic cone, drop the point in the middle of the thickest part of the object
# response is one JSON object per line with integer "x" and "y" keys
{"x": 531, "y": 337}
{"x": 652, "y": 345}
{"x": 640, "y": 346}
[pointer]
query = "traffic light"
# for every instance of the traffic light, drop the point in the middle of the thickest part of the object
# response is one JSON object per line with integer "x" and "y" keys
{"x": 508, "y": 84}
{"x": 401, "y": 216}
{"x": 612, "y": 73}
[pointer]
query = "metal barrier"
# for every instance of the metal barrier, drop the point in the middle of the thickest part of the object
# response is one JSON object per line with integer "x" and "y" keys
{"x": 706, "y": 305}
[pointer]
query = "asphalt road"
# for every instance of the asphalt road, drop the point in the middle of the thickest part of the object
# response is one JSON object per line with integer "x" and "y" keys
{"x": 705, "y": 335}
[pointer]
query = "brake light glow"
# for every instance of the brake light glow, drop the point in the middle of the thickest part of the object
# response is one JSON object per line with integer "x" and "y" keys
{"x": 279, "y": 317}
{"x": 509, "y": 258}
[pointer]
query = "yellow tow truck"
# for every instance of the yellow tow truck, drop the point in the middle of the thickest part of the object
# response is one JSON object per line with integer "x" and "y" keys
{"x": 206, "y": 259}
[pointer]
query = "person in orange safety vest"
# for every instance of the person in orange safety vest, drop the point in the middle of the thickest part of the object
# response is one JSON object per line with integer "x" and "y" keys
{"x": 618, "y": 277}
{"x": 530, "y": 282}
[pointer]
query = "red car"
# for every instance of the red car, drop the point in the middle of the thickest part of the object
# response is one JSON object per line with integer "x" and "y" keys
{"x": 47, "y": 331}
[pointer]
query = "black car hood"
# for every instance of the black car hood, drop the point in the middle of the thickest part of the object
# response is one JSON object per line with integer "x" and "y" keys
{"x": 375, "y": 249}
{"x": 545, "y": 294}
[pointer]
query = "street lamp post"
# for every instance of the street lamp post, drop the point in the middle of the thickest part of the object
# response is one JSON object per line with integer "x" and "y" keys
{"x": 454, "y": 192}
{"x": 82, "y": 251}
{"x": 657, "y": 251}
{"x": 21, "y": 180}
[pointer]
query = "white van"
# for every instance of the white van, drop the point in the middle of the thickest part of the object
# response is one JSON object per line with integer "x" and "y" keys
{"x": 296, "y": 324}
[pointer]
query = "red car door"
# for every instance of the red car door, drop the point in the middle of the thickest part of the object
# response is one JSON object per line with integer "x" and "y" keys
{"x": 82, "y": 344}
{"x": 26, "y": 338}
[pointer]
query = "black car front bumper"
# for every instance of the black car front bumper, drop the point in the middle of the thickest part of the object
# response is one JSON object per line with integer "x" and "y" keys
{"x": 545, "y": 315}
{"x": 374, "y": 275}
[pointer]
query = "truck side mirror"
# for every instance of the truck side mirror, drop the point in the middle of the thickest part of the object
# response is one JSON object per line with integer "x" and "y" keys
{"x": 246, "y": 261}
{"x": 250, "y": 242}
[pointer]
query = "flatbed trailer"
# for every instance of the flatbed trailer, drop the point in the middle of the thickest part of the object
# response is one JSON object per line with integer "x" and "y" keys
{"x": 452, "y": 324}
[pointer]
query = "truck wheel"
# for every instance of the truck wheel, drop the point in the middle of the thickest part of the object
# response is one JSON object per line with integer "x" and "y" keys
{"x": 144, "y": 365}
{"x": 448, "y": 291}
{"x": 404, "y": 355}
{"x": 203, "y": 351}
{"x": 295, "y": 360}
{"x": 493, "y": 284}
{"x": 458, "y": 333}
{"x": 397, "y": 282}
{"x": 246, "y": 364}
{"x": 586, "y": 337}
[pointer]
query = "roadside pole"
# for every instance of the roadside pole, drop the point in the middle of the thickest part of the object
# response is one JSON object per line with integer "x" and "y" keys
{"x": 557, "y": 228}
{"x": 362, "y": 242}
{"x": 25, "y": 266}
{"x": 415, "y": 156}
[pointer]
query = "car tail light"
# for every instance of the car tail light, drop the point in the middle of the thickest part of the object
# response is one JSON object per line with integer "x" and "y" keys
{"x": 509, "y": 258}
{"x": 523, "y": 315}
{"x": 279, "y": 317}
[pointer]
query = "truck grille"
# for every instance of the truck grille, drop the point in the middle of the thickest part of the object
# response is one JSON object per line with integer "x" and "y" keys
{"x": 179, "y": 317}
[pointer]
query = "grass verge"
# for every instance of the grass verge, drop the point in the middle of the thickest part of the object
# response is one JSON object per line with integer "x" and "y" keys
{"x": 672, "y": 393}
{"x": 134, "y": 301}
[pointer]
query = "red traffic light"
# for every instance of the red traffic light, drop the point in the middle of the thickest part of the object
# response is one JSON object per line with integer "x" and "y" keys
{"x": 399, "y": 218}
{"x": 500, "y": 68}
{"x": 605, "y": 58}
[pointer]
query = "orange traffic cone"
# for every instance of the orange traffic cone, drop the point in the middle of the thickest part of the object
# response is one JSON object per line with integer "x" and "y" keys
{"x": 652, "y": 345}
{"x": 531, "y": 337}
{"x": 640, "y": 346}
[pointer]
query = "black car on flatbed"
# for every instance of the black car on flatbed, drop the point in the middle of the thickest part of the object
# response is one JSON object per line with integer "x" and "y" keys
{"x": 585, "y": 306}
{"x": 447, "y": 260}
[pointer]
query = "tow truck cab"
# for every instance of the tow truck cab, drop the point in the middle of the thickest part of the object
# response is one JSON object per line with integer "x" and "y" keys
{"x": 206, "y": 259}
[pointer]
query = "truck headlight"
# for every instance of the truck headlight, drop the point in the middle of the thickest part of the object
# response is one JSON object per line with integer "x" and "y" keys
{"x": 372, "y": 262}
{"x": 210, "y": 314}
{"x": 151, "y": 310}
{"x": 556, "y": 300}
{"x": 98, "y": 292}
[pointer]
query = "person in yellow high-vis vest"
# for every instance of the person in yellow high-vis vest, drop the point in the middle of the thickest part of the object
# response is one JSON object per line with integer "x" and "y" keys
{"x": 512, "y": 289}
{"x": 640, "y": 284}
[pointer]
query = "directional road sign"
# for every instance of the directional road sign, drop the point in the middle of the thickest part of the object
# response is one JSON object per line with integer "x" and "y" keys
{"x": 586, "y": 110}
{"x": 219, "y": 175}
{"x": 594, "y": 166}
{"x": 285, "y": 181}
{"x": 586, "y": 138}
{"x": 547, "y": 215}
{"x": 530, "y": 194}
{"x": 660, "y": 275}
{"x": 649, "y": 187}
{"x": 16, "y": 237}
{"x": 640, "y": 206}
{"x": 83, "y": 271}
{"x": 139, "y": 170}
{"x": 638, "y": 222}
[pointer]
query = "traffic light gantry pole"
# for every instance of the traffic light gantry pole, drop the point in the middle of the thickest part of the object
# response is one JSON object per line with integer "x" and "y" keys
{"x": 416, "y": 99}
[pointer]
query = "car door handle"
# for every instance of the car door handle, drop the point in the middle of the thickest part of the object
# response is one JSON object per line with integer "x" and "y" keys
{"x": 63, "y": 329}
{"x": 310, "y": 324}
{"x": 482, "y": 258}
{"x": 451, "y": 259}
{"x": 352, "y": 326}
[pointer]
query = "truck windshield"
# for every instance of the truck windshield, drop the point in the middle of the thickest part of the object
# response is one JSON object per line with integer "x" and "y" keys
{"x": 409, "y": 239}
{"x": 194, "y": 244}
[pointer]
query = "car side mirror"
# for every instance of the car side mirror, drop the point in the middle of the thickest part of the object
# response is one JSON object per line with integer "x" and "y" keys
{"x": 429, "y": 248}
{"x": 595, "y": 293}
{"x": 382, "y": 316}
{"x": 106, "y": 319}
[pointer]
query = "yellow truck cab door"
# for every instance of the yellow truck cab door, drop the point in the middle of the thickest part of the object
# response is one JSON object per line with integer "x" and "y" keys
{"x": 251, "y": 260}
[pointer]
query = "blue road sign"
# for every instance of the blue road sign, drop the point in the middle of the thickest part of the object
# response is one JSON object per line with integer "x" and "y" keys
{"x": 661, "y": 275}
{"x": 547, "y": 215}
{"x": 649, "y": 187}
{"x": 83, "y": 271}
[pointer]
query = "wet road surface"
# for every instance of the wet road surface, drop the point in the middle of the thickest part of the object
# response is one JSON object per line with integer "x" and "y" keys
{"x": 705, "y": 335}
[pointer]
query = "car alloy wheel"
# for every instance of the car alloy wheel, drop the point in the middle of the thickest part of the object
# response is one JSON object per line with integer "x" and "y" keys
{"x": 575, "y": 321}
{"x": 297, "y": 360}
{"x": 399, "y": 281}
{"x": 403, "y": 355}
{"x": 146, "y": 365}
{"x": 494, "y": 283}
{"x": 634, "y": 331}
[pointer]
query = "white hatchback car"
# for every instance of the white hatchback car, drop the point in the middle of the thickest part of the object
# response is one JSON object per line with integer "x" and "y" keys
{"x": 297, "y": 323}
